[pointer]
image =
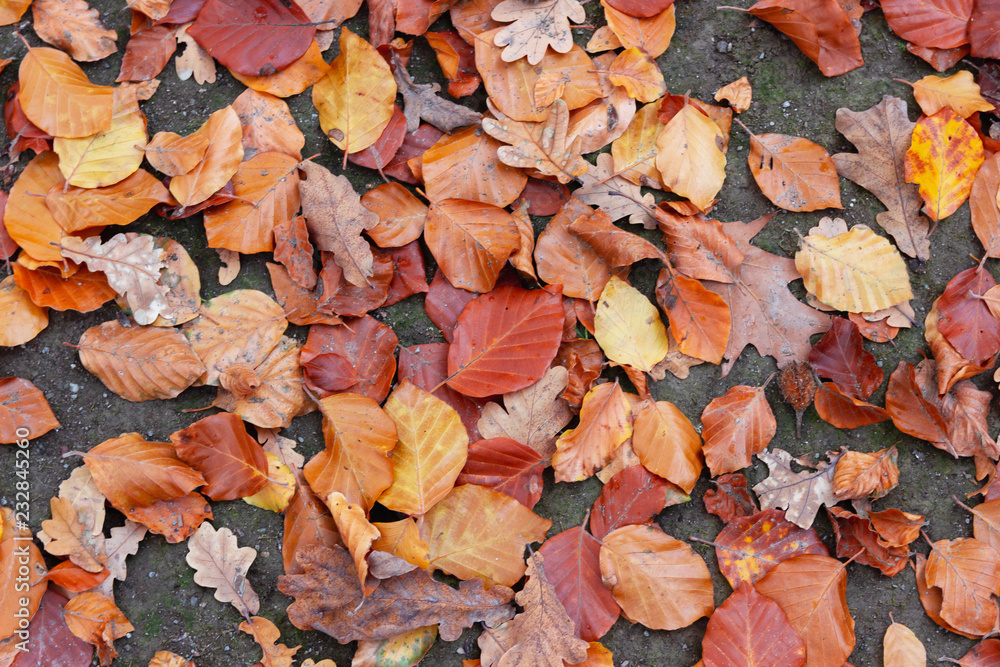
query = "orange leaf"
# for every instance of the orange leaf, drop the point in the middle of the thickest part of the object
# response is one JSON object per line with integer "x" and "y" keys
{"x": 58, "y": 97}
{"x": 667, "y": 444}
{"x": 605, "y": 423}
{"x": 750, "y": 547}
{"x": 699, "y": 318}
{"x": 752, "y": 630}
{"x": 23, "y": 407}
{"x": 27, "y": 218}
{"x": 562, "y": 258}
{"x": 219, "y": 446}
{"x": 291, "y": 80}
{"x": 221, "y": 160}
{"x": 175, "y": 519}
{"x": 465, "y": 166}
{"x": 13, "y": 557}
{"x": 862, "y": 474}
{"x": 174, "y": 155}
{"x": 307, "y": 523}
{"x": 402, "y": 539}
{"x": 83, "y": 291}
{"x": 355, "y": 531}
{"x": 471, "y": 241}
{"x": 736, "y": 426}
{"x": 942, "y": 160}
{"x": 266, "y": 634}
{"x": 94, "y": 618}
{"x": 401, "y": 215}
{"x": 651, "y": 34}
{"x": 794, "y": 173}
{"x": 124, "y": 202}
{"x": 844, "y": 411}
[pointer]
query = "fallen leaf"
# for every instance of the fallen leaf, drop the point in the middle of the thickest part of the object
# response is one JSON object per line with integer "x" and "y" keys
{"x": 861, "y": 474}
{"x": 649, "y": 29}
{"x": 532, "y": 416}
{"x": 738, "y": 94}
{"x": 690, "y": 158}
{"x": 402, "y": 539}
{"x": 266, "y": 634}
{"x": 968, "y": 573}
{"x": 700, "y": 321}
{"x": 506, "y": 466}
{"x": 421, "y": 101}
{"x": 73, "y": 27}
{"x": 545, "y": 146}
{"x": 58, "y": 97}
{"x": 268, "y": 125}
{"x": 174, "y": 155}
{"x": 471, "y": 241}
{"x": 635, "y": 151}
{"x": 942, "y": 160}
{"x": 233, "y": 463}
{"x": 367, "y": 345}
{"x": 628, "y": 327}
{"x": 856, "y": 538}
{"x": 220, "y": 564}
{"x": 958, "y": 92}
{"x": 736, "y": 426}
{"x": 614, "y": 195}
{"x": 195, "y": 60}
{"x": 355, "y": 532}
{"x": 50, "y": 640}
{"x": 638, "y": 74}
{"x": 562, "y": 258}
{"x": 221, "y": 160}
{"x": 175, "y": 519}
{"x": 605, "y": 423}
{"x": 124, "y": 542}
{"x": 15, "y": 554}
{"x": 125, "y": 202}
{"x": 615, "y": 245}
{"x": 465, "y": 166}
{"x": 840, "y": 356}
{"x": 667, "y": 444}
{"x": 632, "y": 496}
{"x": 95, "y": 619}
{"x": 750, "y": 629}
{"x": 295, "y": 78}
{"x": 794, "y": 173}
{"x": 68, "y": 536}
{"x": 799, "y": 493}
{"x": 896, "y": 527}
{"x": 407, "y": 648}
{"x": 537, "y": 25}
{"x": 730, "y": 499}
{"x": 966, "y": 320}
{"x": 23, "y": 406}
{"x": 147, "y": 53}
{"x": 457, "y": 60}
{"x": 941, "y": 24}
{"x": 749, "y": 547}
{"x": 659, "y": 581}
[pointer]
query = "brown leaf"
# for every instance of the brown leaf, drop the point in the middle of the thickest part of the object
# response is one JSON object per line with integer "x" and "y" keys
{"x": 68, "y": 536}
{"x": 367, "y": 344}
{"x": 326, "y": 597}
{"x": 218, "y": 563}
{"x": 532, "y": 416}
{"x": 968, "y": 573}
{"x": 421, "y": 101}
{"x": 699, "y": 247}
{"x": 615, "y": 245}
{"x": 545, "y": 147}
{"x": 800, "y": 493}
{"x": 730, "y": 499}
{"x": 942, "y": 24}
{"x": 860, "y": 474}
{"x": 293, "y": 249}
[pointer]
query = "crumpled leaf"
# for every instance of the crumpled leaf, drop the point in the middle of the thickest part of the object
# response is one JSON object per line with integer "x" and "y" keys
{"x": 95, "y": 619}
{"x": 421, "y": 101}
{"x": 220, "y": 162}
{"x": 537, "y": 25}
{"x": 543, "y": 146}
{"x": 730, "y": 499}
{"x": 942, "y": 160}
{"x": 326, "y": 597}
{"x": 800, "y": 493}
{"x": 532, "y": 416}
{"x": 605, "y": 423}
{"x": 220, "y": 564}
{"x": 266, "y": 634}
{"x": 355, "y": 532}
{"x": 857, "y": 538}
{"x": 968, "y": 573}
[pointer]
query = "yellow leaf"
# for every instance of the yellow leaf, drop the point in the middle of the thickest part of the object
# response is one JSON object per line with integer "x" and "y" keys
{"x": 959, "y": 92}
{"x": 355, "y": 98}
{"x": 635, "y": 151}
{"x": 403, "y": 650}
{"x": 280, "y": 487}
{"x": 110, "y": 156}
{"x": 59, "y": 98}
{"x": 355, "y": 531}
{"x": 667, "y": 444}
{"x": 858, "y": 271}
{"x": 431, "y": 452}
{"x": 901, "y": 648}
{"x": 402, "y": 539}
{"x": 605, "y": 423}
{"x": 628, "y": 327}
{"x": 479, "y": 532}
{"x": 638, "y": 74}
{"x": 222, "y": 158}
{"x": 691, "y": 156}
{"x": 943, "y": 160}
{"x": 738, "y": 94}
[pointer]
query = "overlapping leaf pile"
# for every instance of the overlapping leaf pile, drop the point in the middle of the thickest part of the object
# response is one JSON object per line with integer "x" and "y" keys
{"x": 434, "y": 457}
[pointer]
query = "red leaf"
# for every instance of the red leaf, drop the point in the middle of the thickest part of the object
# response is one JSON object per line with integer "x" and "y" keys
{"x": 368, "y": 345}
{"x": 984, "y": 29}
{"x": 840, "y": 356}
{"x": 640, "y": 9}
{"x": 984, "y": 654}
{"x": 329, "y": 373}
{"x": 444, "y": 303}
{"x": 253, "y": 37}
{"x": 751, "y": 629}
{"x": 748, "y": 548}
{"x": 543, "y": 197}
{"x": 50, "y": 640}
{"x": 911, "y": 413}
{"x": 855, "y": 534}
{"x": 233, "y": 463}
{"x": 414, "y": 145}
{"x": 730, "y": 499}
{"x": 22, "y": 132}
{"x": 573, "y": 566}
{"x": 506, "y": 466}
{"x": 820, "y": 28}
{"x": 338, "y": 295}
{"x": 380, "y": 154}
{"x": 427, "y": 366}
{"x": 632, "y": 496}
{"x": 843, "y": 411}
{"x": 409, "y": 276}
{"x": 147, "y": 53}
{"x": 942, "y": 24}
{"x": 504, "y": 341}
{"x": 966, "y": 321}
{"x": 182, "y": 11}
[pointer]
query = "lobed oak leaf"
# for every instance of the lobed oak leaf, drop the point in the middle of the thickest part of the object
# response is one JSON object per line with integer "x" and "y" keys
{"x": 58, "y": 97}
{"x": 532, "y": 416}
{"x": 545, "y": 146}
{"x": 266, "y": 634}
{"x": 605, "y": 423}
{"x": 649, "y": 30}
{"x": 23, "y": 405}
{"x": 632, "y": 496}
{"x": 691, "y": 158}
{"x": 799, "y": 493}
{"x": 421, "y": 101}
{"x": 220, "y": 564}
{"x": 730, "y": 499}
{"x": 942, "y": 161}
{"x": 124, "y": 542}
{"x": 537, "y": 25}
{"x": 614, "y": 195}
{"x": 811, "y": 590}
{"x": 667, "y": 444}
{"x": 794, "y": 173}
{"x": 95, "y": 619}
{"x": 736, "y": 426}
{"x": 628, "y": 327}
{"x": 752, "y": 630}
{"x": 326, "y": 597}
{"x": 542, "y": 634}
{"x": 70, "y": 537}
{"x": 659, "y": 581}
{"x": 195, "y": 60}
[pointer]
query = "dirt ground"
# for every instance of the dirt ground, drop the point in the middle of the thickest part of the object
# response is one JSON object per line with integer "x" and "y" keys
{"x": 790, "y": 96}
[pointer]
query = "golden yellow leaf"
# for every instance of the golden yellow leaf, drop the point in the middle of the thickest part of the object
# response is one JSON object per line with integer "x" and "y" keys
{"x": 628, "y": 327}
{"x": 59, "y": 98}
{"x": 22, "y": 319}
{"x": 667, "y": 444}
{"x": 222, "y": 158}
{"x": 109, "y": 156}
{"x": 659, "y": 581}
{"x": 738, "y": 94}
{"x": 479, "y": 532}
{"x": 402, "y": 539}
{"x": 638, "y": 74}
{"x": 943, "y": 159}
{"x": 355, "y": 98}
{"x": 652, "y": 34}
{"x": 858, "y": 272}
{"x": 280, "y": 487}
{"x": 291, "y": 80}
{"x": 691, "y": 157}
{"x": 901, "y": 648}
{"x": 635, "y": 151}
{"x": 355, "y": 531}
{"x": 605, "y": 423}
{"x": 268, "y": 187}
{"x": 173, "y": 155}
{"x": 432, "y": 448}
{"x": 959, "y": 92}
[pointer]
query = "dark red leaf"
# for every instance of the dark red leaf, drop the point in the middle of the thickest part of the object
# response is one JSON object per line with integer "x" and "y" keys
{"x": 504, "y": 341}
{"x": 641, "y": 9}
{"x": 223, "y": 196}
{"x": 367, "y": 344}
{"x": 427, "y": 366}
{"x": 147, "y": 53}
{"x": 336, "y": 295}
{"x": 50, "y": 640}
{"x": 543, "y": 197}
{"x": 444, "y": 303}
{"x": 380, "y": 154}
{"x": 730, "y": 499}
{"x": 182, "y": 11}
{"x": 844, "y": 411}
{"x": 22, "y": 132}
{"x": 253, "y": 37}
{"x": 329, "y": 373}
{"x": 966, "y": 321}
{"x": 409, "y": 276}
{"x": 414, "y": 145}
{"x": 840, "y": 356}
{"x": 748, "y": 548}
{"x": 855, "y": 534}
{"x": 632, "y": 496}
{"x": 573, "y": 566}
{"x": 506, "y": 466}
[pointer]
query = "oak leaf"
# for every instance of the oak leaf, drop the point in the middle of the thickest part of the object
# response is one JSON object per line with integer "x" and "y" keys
{"x": 545, "y": 147}
{"x": 58, "y": 97}
{"x": 691, "y": 157}
{"x": 752, "y": 630}
{"x": 326, "y": 597}
{"x": 537, "y": 25}
{"x": 95, "y": 619}
{"x": 195, "y": 60}
{"x": 659, "y": 581}
{"x": 794, "y": 173}
{"x": 542, "y": 634}
{"x": 800, "y": 493}
{"x": 614, "y": 195}
{"x": 266, "y": 634}
{"x": 628, "y": 327}
{"x": 220, "y": 564}
{"x": 124, "y": 542}
{"x": 736, "y": 426}
{"x": 942, "y": 160}
{"x": 421, "y": 101}
{"x": 532, "y": 416}
{"x": 70, "y": 537}
{"x": 220, "y": 162}
{"x": 605, "y": 423}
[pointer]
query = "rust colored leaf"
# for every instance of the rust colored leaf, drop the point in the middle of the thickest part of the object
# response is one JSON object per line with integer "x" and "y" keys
{"x": 699, "y": 247}
{"x": 409, "y": 274}
{"x": 940, "y": 24}
{"x": 506, "y": 466}
{"x": 426, "y": 366}
{"x": 380, "y": 153}
{"x": 966, "y": 320}
{"x": 840, "y": 356}
{"x": 406, "y": 164}
{"x": 615, "y": 245}
{"x": 444, "y": 303}
{"x": 896, "y": 527}
{"x": 730, "y": 499}
{"x": 15, "y": 554}
{"x": 794, "y": 173}
{"x": 471, "y": 242}
{"x": 699, "y": 318}
{"x": 749, "y": 547}
{"x": 367, "y": 344}
{"x": 736, "y": 426}
{"x": 95, "y": 619}
{"x": 751, "y": 630}
{"x": 968, "y": 573}
{"x": 307, "y": 523}
{"x": 401, "y": 215}
{"x": 843, "y": 411}
{"x": 147, "y": 53}
{"x": 457, "y": 60}
{"x": 327, "y": 599}
{"x": 856, "y": 537}
{"x": 233, "y": 463}
{"x": 294, "y": 250}
{"x": 910, "y": 411}
{"x": 465, "y": 166}
{"x": 983, "y": 654}
{"x": 175, "y": 519}
{"x": 266, "y": 634}
{"x": 268, "y": 125}
{"x": 23, "y": 406}
{"x": 632, "y": 496}
{"x": 861, "y": 474}
{"x": 51, "y": 641}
